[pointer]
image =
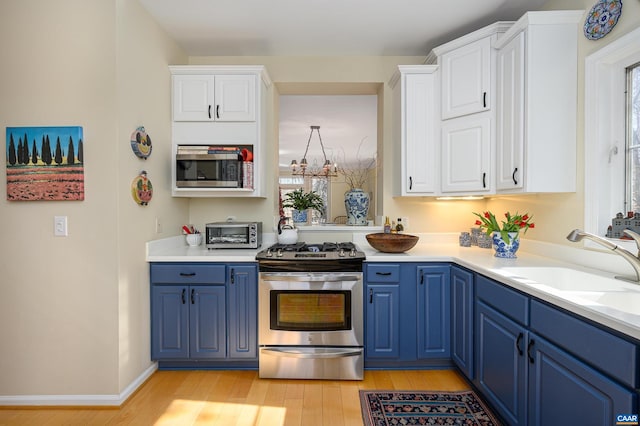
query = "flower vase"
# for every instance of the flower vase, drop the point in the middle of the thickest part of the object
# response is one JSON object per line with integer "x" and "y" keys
{"x": 356, "y": 202}
{"x": 300, "y": 217}
{"x": 505, "y": 249}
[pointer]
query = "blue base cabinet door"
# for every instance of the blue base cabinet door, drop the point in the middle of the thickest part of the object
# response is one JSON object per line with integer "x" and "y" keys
{"x": 462, "y": 311}
{"x": 242, "y": 311}
{"x": 565, "y": 391}
{"x": 169, "y": 322}
{"x": 207, "y": 332}
{"x": 501, "y": 373}
{"x": 382, "y": 338}
{"x": 433, "y": 311}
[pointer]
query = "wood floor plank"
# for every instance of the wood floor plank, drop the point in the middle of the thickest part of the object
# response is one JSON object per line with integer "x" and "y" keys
{"x": 240, "y": 398}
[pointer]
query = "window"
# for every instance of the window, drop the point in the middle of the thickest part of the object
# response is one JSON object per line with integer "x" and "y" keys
{"x": 605, "y": 167}
{"x": 633, "y": 138}
{"x": 319, "y": 185}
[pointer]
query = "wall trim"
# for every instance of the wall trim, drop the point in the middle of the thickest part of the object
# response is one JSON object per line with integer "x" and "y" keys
{"x": 80, "y": 400}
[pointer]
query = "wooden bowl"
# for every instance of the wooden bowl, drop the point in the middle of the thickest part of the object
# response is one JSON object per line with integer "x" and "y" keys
{"x": 392, "y": 243}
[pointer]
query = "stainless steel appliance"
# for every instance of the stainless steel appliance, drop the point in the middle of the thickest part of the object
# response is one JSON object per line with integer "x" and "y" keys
{"x": 310, "y": 311}
{"x": 233, "y": 235}
{"x": 203, "y": 166}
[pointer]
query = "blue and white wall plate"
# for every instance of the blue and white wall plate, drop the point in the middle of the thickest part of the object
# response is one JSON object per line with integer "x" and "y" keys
{"x": 141, "y": 143}
{"x": 601, "y": 19}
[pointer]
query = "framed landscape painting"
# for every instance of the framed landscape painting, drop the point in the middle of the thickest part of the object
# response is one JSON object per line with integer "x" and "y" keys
{"x": 45, "y": 163}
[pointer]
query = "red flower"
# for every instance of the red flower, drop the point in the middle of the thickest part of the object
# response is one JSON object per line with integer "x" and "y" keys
{"x": 532, "y": 225}
{"x": 486, "y": 214}
{"x": 478, "y": 222}
{"x": 525, "y": 217}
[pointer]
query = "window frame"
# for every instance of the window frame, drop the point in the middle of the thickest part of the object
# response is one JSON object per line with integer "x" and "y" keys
{"x": 604, "y": 132}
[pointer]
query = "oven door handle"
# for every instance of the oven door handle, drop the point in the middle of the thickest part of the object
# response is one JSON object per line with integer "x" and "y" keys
{"x": 309, "y": 277}
{"x": 334, "y": 353}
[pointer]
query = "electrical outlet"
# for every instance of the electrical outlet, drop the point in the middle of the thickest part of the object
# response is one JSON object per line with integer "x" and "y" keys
{"x": 60, "y": 226}
{"x": 158, "y": 226}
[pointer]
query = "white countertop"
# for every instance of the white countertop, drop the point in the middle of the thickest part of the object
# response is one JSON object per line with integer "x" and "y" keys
{"x": 444, "y": 248}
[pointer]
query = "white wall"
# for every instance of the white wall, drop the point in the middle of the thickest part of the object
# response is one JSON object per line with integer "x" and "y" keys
{"x": 74, "y": 310}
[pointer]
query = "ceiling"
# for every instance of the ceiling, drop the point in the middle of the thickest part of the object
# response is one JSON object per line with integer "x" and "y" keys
{"x": 325, "y": 27}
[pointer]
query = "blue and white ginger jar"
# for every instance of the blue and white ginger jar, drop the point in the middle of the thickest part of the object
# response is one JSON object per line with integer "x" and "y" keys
{"x": 356, "y": 203}
{"x": 506, "y": 249}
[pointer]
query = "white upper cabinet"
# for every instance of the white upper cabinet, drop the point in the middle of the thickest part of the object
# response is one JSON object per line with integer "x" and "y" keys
{"x": 466, "y": 79}
{"x": 222, "y": 105}
{"x": 466, "y": 155}
{"x": 416, "y": 124}
{"x": 214, "y": 97}
{"x": 537, "y": 103}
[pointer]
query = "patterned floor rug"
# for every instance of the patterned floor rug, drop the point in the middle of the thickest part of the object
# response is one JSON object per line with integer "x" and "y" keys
{"x": 383, "y": 408}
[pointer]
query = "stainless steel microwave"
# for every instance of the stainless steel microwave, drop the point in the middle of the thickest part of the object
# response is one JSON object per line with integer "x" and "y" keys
{"x": 233, "y": 235}
{"x": 201, "y": 167}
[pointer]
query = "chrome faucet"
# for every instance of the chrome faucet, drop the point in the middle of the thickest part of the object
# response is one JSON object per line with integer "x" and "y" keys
{"x": 577, "y": 235}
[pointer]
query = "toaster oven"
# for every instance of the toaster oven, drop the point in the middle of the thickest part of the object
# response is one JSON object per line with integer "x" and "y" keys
{"x": 242, "y": 235}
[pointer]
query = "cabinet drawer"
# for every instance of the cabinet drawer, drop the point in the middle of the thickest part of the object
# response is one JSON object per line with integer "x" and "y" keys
{"x": 387, "y": 273}
{"x": 615, "y": 356}
{"x": 188, "y": 273}
{"x": 509, "y": 302}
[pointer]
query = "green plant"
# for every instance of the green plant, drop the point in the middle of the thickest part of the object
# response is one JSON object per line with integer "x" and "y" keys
{"x": 514, "y": 223}
{"x": 301, "y": 200}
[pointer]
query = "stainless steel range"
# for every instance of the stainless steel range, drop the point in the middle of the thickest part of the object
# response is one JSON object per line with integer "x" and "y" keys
{"x": 310, "y": 311}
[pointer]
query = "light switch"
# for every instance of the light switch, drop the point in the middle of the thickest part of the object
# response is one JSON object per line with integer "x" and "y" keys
{"x": 60, "y": 226}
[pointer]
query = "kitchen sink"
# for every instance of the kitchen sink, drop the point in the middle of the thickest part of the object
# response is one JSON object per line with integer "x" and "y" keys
{"x": 622, "y": 301}
{"x": 567, "y": 279}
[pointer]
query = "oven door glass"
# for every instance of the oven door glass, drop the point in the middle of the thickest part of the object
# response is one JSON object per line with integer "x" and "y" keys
{"x": 308, "y": 310}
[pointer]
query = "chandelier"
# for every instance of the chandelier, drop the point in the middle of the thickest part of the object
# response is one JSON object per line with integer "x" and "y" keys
{"x": 303, "y": 169}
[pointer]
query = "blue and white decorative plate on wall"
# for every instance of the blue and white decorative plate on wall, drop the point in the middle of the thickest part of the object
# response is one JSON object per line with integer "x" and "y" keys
{"x": 601, "y": 19}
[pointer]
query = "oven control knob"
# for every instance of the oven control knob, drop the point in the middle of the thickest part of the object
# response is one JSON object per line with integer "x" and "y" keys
{"x": 341, "y": 253}
{"x": 279, "y": 253}
{"x": 352, "y": 253}
{"x": 269, "y": 253}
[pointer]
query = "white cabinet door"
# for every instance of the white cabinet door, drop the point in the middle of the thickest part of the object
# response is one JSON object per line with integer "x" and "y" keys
{"x": 235, "y": 98}
{"x": 510, "y": 114}
{"x": 466, "y": 79}
{"x": 466, "y": 154}
{"x": 193, "y": 97}
{"x": 214, "y": 98}
{"x": 419, "y": 138}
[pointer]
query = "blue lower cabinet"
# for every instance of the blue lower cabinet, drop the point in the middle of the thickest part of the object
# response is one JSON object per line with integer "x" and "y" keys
{"x": 462, "y": 311}
{"x": 242, "y": 311}
{"x": 201, "y": 325}
{"x": 433, "y": 312}
{"x": 188, "y": 322}
{"x": 566, "y": 391}
{"x": 207, "y": 324}
{"x": 501, "y": 371}
{"x": 537, "y": 365}
{"x": 407, "y": 309}
{"x": 382, "y": 338}
{"x": 169, "y": 322}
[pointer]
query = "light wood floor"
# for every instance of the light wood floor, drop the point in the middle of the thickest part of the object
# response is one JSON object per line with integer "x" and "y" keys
{"x": 226, "y": 398}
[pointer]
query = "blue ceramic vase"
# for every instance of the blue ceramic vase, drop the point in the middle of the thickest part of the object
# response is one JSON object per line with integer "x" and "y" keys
{"x": 299, "y": 216}
{"x": 356, "y": 203}
{"x": 506, "y": 249}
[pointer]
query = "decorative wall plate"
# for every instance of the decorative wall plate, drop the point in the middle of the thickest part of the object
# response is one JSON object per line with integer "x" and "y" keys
{"x": 141, "y": 189}
{"x": 602, "y": 18}
{"x": 141, "y": 143}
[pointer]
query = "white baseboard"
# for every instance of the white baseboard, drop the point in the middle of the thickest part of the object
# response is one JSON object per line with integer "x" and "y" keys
{"x": 79, "y": 400}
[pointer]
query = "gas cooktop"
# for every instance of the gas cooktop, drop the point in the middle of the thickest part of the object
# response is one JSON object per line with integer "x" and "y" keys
{"x": 303, "y": 256}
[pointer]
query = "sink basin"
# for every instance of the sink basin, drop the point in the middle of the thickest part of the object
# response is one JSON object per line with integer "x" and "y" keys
{"x": 567, "y": 279}
{"x": 392, "y": 243}
{"x": 622, "y": 301}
